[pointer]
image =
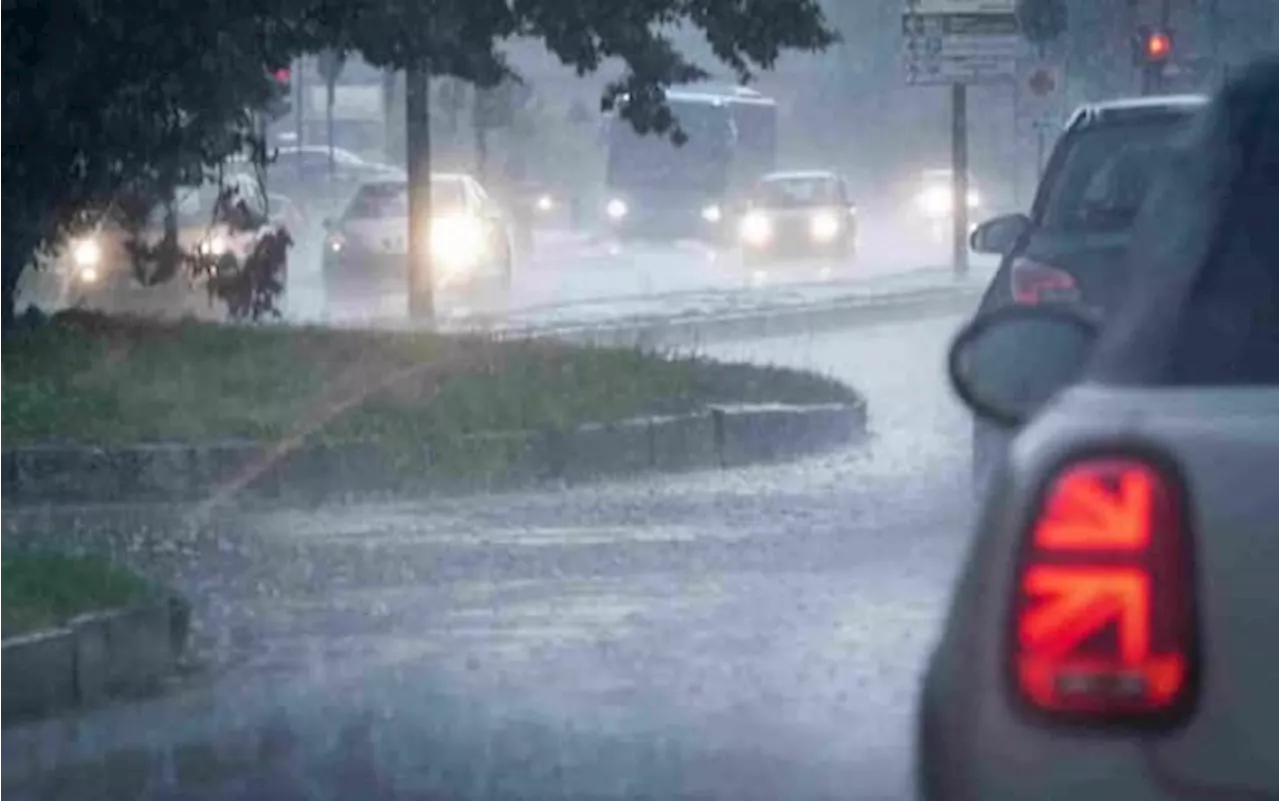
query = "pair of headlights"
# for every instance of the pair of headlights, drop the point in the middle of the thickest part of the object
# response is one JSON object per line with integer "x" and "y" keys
{"x": 936, "y": 201}
{"x": 617, "y": 208}
{"x": 757, "y": 228}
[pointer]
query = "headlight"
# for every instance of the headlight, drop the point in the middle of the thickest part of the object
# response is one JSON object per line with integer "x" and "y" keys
{"x": 757, "y": 229}
{"x": 616, "y": 209}
{"x": 457, "y": 240}
{"x": 86, "y": 253}
{"x": 335, "y": 243}
{"x": 974, "y": 200}
{"x": 545, "y": 203}
{"x": 711, "y": 213}
{"x": 215, "y": 245}
{"x": 88, "y": 274}
{"x": 935, "y": 201}
{"x": 824, "y": 226}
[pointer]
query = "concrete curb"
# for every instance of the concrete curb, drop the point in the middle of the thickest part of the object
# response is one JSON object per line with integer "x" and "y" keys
{"x": 92, "y": 657}
{"x": 723, "y": 436}
{"x": 694, "y": 329}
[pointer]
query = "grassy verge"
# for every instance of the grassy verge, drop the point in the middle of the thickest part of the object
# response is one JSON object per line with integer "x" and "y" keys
{"x": 38, "y": 590}
{"x": 90, "y": 379}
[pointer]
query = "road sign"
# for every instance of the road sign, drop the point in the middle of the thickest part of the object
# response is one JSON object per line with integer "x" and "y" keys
{"x": 959, "y": 41}
{"x": 1042, "y": 82}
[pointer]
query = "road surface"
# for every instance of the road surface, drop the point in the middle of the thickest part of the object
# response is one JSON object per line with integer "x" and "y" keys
{"x": 747, "y": 634}
{"x": 581, "y": 276}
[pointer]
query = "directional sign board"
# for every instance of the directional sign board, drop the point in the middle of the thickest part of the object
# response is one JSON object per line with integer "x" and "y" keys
{"x": 959, "y": 41}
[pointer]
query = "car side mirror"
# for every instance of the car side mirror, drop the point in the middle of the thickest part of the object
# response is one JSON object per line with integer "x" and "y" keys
{"x": 1007, "y": 364}
{"x": 999, "y": 235}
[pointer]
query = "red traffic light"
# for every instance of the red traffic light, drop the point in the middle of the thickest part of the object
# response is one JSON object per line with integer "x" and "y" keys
{"x": 282, "y": 75}
{"x": 1158, "y": 46}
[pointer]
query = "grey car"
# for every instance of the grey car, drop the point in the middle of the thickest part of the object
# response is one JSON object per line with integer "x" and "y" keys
{"x": 1072, "y": 245}
{"x": 1113, "y": 632}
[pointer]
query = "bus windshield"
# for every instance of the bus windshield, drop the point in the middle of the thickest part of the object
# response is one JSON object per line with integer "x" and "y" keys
{"x": 653, "y": 160}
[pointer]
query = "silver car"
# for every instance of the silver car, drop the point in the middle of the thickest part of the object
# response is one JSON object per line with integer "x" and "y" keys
{"x": 1114, "y": 631}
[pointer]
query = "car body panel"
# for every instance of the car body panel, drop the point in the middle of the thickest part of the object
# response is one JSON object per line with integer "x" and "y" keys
{"x": 1095, "y": 259}
{"x": 976, "y": 740}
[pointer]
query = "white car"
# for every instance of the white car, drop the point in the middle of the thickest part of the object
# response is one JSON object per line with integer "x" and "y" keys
{"x": 1113, "y": 634}
{"x": 932, "y": 201}
{"x": 366, "y": 249}
{"x": 93, "y": 268}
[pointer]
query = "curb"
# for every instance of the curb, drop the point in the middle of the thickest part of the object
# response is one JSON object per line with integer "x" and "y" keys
{"x": 722, "y": 436}
{"x": 91, "y": 658}
{"x": 693, "y": 329}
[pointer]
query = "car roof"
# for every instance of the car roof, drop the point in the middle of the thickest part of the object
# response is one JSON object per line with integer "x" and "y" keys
{"x": 800, "y": 175}
{"x": 1186, "y": 279}
{"x": 1131, "y": 109}
{"x": 436, "y": 177}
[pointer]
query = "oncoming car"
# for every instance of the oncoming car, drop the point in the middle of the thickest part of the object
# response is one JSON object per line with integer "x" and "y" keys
{"x": 793, "y": 215}
{"x": 366, "y": 248}
{"x": 94, "y": 268}
{"x": 932, "y": 201}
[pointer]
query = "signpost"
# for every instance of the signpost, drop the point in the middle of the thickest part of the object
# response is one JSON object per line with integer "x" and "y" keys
{"x": 956, "y": 43}
{"x": 1042, "y": 84}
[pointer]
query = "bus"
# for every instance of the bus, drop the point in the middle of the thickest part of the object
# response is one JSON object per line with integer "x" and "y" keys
{"x": 658, "y": 189}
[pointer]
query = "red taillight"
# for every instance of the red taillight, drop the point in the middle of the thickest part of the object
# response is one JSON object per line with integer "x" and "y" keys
{"x": 1103, "y": 614}
{"x": 1035, "y": 283}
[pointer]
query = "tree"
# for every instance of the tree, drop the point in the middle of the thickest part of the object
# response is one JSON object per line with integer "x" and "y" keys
{"x": 119, "y": 95}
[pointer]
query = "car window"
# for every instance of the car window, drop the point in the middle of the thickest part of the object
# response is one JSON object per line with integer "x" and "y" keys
{"x": 390, "y": 199}
{"x": 795, "y": 192}
{"x": 206, "y": 205}
{"x": 1104, "y": 175}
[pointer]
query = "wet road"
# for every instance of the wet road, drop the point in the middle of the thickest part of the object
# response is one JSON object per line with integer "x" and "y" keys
{"x": 567, "y": 269}
{"x": 733, "y": 635}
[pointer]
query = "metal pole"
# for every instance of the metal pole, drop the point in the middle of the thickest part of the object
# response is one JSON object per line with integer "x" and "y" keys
{"x": 959, "y": 181}
{"x": 1039, "y": 150}
{"x": 418, "y": 158}
{"x": 299, "y": 78}
{"x": 328, "y": 122}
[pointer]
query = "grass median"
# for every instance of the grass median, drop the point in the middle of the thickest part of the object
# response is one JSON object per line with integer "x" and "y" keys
{"x": 43, "y": 589}
{"x": 89, "y": 379}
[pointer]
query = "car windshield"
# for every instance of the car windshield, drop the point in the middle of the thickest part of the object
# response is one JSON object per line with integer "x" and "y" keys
{"x": 390, "y": 199}
{"x": 1104, "y": 177}
{"x": 700, "y": 163}
{"x": 204, "y": 205}
{"x": 798, "y": 192}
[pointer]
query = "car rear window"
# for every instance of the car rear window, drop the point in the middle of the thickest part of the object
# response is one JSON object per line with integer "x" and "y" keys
{"x": 391, "y": 199}
{"x": 1104, "y": 173}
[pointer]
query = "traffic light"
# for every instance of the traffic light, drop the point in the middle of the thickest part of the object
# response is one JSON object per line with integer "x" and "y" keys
{"x": 1152, "y": 46}
{"x": 281, "y": 103}
{"x": 1157, "y": 47}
